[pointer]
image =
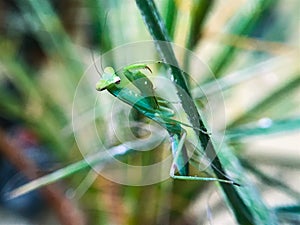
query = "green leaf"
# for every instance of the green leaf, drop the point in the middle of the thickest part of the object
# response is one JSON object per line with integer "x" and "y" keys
{"x": 272, "y": 99}
{"x": 97, "y": 159}
{"x": 240, "y": 24}
{"x": 268, "y": 180}
{"x": 200, "y": 10}
{"x": 260, "y": 69}
{"x": 288, "y": 214}
{"x": 247, "y": 194}
{"x": 171, "y": 12}
{"x": 265, "y": 126}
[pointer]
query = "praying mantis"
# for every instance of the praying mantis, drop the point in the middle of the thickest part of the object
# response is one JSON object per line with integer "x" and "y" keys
{"x": 150, "y": 106}
{"x": 155, "y": 109}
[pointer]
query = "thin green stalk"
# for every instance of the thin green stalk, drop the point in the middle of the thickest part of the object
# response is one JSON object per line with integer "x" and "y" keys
{"x": 289, "y": 214}
{"x": 237, "y": 77}
{"x": 171, "y": 17}
{"x": 200, "y": 10}
{"x": 270, "y": 181}
{"x": 266, "y": 127}
{"x": 272, "y": 99}
{"x": 100, "y": 158}
{"x": 50, "y": 33}
{"x": 241, "y": 24}
{"x": 101, "y": 33}
{"x": 10, "y": 106}
{"x": 50, "y": 121}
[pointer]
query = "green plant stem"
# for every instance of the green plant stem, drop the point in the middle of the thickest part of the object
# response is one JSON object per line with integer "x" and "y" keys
{"x": 241, "y": 24}
{"x": 276, "y": 126}
{"x": 238, "y": 77}
{"x": 266, "y": 179}
{"x": 273, "y": 98}
{"x": 171, "y": 17}
{"x": 288, "y": 214}
{"x": 100, "y": 158}
{"x": 199, "y": 12}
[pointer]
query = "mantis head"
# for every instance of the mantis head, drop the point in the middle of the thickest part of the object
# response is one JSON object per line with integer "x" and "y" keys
{"x": 108, "y": 78}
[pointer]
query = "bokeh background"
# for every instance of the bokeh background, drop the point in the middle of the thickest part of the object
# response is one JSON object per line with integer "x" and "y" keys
{"x": 251, "y": 48}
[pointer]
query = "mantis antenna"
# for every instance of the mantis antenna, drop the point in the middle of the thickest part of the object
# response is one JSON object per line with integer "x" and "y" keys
{"x": 199, "y": 153}
{"x": 93, "y": 57}
{"x": 180, "y": 177}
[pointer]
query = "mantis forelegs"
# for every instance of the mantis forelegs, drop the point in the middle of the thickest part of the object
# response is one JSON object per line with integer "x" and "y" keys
{"x": 177, "y": 164}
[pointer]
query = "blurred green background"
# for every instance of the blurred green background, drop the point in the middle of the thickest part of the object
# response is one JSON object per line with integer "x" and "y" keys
{"x": 251, "y": 47}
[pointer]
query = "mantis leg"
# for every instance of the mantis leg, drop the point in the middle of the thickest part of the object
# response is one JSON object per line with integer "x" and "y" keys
{"x": 177, "y": 165}
{"x": 180, "y": 162}
{"x": 142, "y": 82}
{"x": 134, "y": 74}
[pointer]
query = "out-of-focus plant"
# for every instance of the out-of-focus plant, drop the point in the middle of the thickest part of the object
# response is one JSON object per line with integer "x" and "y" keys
{"x": 251, "y": 49}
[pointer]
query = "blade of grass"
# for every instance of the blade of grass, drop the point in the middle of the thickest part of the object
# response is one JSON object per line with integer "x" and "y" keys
{"x": 26, "y": 83}
{"x": 10, "y": 106}
{"x": 98, "y": 159}
{"x": 241, "y": 24}
{"x": 267, "y": 127}
{"x": 272, "y": 99}
{"x": 270, "y": 181}
{"x": 27, "y": 166}
{"x": 49, "y": 123}
{"x": 239, "y": 202}
{"x": 50, "y": 33}
{"x": 200, "y": 10}
{"x": 250, "y": 43}
{"x": 247, "y": 192}
{"x": 159, "y": 33}
{"x": 237, "y": 77}
{"x": 170, "y": 15}
{"x": 99, "y": 13}
{"x": 288, "y": 214}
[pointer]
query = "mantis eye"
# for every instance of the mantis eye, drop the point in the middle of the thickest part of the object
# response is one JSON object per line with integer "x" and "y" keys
{"x": 100, "y": 86}
{"x": 104, "y": 84}
{"x": 117, "y": 80}
{"x": 109, "y": 70}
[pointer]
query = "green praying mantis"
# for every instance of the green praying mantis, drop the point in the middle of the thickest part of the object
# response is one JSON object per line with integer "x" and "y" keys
{"x": 149, "y": 105}
{"x": 157, "y": 110}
